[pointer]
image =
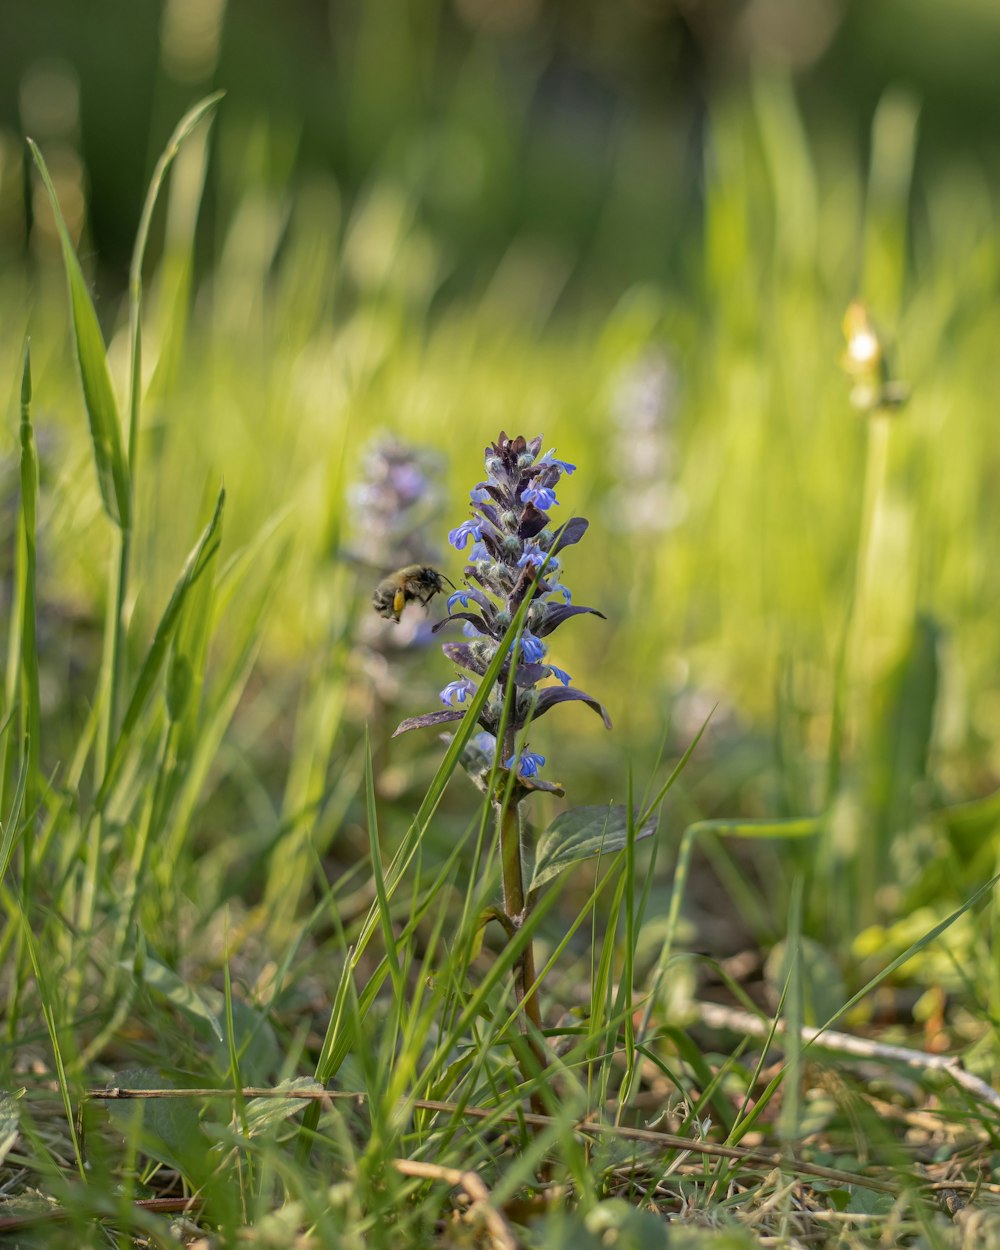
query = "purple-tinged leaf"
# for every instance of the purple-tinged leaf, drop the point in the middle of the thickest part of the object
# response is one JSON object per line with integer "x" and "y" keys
{"x": 559, "y": 612}
{"x": 492, "y": 545}
{"x": 535, "y": 446}
{"x": 425, "y": 721}
{"x": 570, "y": 533}
{"x": 463, "y": 655}
{"x": 538, "y": 783}
{"x": 520, "y": 588}
{"x": 552, "y": 695}
{"x": 490, "y": 513}
{"x": 473, "y": 617}
{"x": 528, "y": 674}
{"x": 532, "y": 522}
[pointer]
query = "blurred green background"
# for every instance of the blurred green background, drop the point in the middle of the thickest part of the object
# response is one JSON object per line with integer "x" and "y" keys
{"x": 633, "y": 226}
{"x": 581, "y": 124}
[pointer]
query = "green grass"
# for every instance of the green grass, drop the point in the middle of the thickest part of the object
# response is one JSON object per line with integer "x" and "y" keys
{"x": 221, "y": 878}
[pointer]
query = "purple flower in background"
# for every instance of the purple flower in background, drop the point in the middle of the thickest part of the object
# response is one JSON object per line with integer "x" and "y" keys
{"x": 644, "y": 460}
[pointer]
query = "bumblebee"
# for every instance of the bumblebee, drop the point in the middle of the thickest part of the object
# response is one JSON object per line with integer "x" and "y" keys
{"x": 416, "y": 581}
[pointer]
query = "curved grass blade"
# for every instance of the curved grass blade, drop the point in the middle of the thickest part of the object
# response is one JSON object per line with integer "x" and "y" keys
{"x": 182, "y": 130}
{"x": 197, "y": 562}
{"x": 98, "y": 395}
{"x": 787, "y": 827}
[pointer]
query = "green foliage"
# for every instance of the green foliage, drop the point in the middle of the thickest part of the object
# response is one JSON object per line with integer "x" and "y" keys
{"x": 10, "y": 1118}
{"x": 260, "y": 886}
{"x": 171, "y": 1128}
{"x": 583, "y": 833}
{"x": 99, "y": 397}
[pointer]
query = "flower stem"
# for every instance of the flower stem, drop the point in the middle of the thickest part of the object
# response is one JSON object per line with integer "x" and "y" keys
{"x": 515, "y": 907}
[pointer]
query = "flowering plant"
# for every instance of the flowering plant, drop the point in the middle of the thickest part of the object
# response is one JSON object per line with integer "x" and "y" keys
{"x": 514, "y": 556}
{"x": 511, "y": 603}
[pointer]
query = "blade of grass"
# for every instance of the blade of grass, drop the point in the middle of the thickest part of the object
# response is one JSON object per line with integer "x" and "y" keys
{"x": 30, "y": 701}
{"x": 197, "y": 562}
{"x": 98, "y": 394}
{"x": 47, "y": 997}
{"x": 381, "y": 898}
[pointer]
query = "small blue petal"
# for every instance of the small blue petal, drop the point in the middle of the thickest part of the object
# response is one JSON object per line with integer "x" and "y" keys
{"x": 460, "y": 596}
{"x": 549, "y": 459}
{"x": 479, "y": 495}
{"x": 543, "y": 497}
{"x": 479, "y": 554}
{"x": 559, "y": 589}
{"x": 458, "y": 690}
{"x": 528, "y": 765}
{"x": 533, "y": 555}
{"x": 561, "y": 673}
{"x": 459, "y": 536}
{"x": 532, "y": 648}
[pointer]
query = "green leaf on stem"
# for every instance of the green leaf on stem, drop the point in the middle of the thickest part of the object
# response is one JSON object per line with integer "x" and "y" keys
{"x": 581, "y": 833}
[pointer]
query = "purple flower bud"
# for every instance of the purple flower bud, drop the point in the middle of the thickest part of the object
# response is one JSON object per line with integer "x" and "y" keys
{"x": 458, "y": 690}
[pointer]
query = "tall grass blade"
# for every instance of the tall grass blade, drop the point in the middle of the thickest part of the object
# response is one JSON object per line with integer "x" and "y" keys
{"x": 48, "y": 996}
{"x": 791, "y": 1107}
{"x": 381, "y": 898}
{"x": 183, "y": 129}
{"x": 30, "y": 701}
{"x": 113, "y": 476}
{"x": 202, "y": 554}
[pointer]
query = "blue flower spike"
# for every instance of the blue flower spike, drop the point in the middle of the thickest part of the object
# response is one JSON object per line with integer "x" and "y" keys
{"x": 514, "y": 553}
